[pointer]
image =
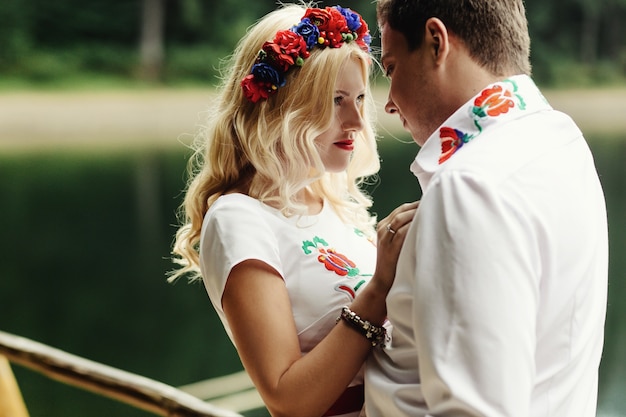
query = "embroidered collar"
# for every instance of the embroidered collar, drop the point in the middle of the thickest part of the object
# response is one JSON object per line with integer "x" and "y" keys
{"x": 497, "y": 103}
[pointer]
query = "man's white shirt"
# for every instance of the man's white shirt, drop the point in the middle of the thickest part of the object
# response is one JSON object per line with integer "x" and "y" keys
{"x": 499, "y": 301}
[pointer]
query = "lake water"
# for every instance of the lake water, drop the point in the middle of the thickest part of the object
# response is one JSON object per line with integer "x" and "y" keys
{"x": 84, "y": 255}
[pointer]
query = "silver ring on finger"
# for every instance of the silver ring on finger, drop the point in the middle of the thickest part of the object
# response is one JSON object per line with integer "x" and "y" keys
{"x": 390, "y": 230}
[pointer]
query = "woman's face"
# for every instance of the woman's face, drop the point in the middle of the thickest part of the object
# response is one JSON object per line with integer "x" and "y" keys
{"x": 337, "y": 143}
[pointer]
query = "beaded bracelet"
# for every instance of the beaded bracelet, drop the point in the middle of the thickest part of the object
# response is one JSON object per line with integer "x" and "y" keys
{"x": 375, "y": 334}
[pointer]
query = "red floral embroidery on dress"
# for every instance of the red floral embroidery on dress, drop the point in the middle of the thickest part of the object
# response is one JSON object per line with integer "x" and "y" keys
{"x": 350, "y": 290}
{"x": 336, "y": 262}
{"x": 330, "y": 258}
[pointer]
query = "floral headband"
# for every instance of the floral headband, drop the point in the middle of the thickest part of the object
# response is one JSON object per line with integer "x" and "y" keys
{"x": 328, "y": 27}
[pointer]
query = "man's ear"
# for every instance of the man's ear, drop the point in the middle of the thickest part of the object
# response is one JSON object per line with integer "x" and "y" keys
{"x": 436, "y": 38}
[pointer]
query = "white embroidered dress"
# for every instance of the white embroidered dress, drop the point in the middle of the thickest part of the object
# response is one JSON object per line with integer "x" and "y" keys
{"x": 322, "y": 261}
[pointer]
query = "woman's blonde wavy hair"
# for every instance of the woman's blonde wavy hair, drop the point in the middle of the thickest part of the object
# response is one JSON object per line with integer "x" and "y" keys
{"x": 269, "y": 147}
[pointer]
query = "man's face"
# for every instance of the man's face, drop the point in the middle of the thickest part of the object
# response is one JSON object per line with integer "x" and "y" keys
{"x": 413, "y": 92}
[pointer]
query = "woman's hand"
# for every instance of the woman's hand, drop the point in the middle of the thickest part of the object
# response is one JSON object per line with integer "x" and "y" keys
{"x": 392, "y": 231}
{"x": 371, "y": 303}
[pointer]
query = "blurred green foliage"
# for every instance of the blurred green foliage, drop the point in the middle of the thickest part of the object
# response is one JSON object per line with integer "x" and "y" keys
{"x": 574, "y": 42}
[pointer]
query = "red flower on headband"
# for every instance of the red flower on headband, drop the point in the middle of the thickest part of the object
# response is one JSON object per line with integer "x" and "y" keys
{"x": 254, "y": 90}
{"x": 334, "y": 29}
{"x": 288, "y": 47}
{"x": 364, "y": 37}
{"x": 331, "y": 24}
{"x": 337, "y": 26}
{"x": 319, "y": 17}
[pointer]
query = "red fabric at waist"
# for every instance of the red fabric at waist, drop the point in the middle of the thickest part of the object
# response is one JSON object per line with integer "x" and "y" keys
{"x": 350, "y": 401}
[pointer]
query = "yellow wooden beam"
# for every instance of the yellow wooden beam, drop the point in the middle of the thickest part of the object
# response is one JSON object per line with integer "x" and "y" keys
{"x": 132, "y": 389}
{"x": 11, "y": 401}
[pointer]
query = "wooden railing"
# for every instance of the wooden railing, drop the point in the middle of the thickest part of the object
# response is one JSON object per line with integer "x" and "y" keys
{"x": 227, "y": 395}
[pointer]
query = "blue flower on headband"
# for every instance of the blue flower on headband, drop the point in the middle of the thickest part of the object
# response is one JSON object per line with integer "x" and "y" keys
{"x": 353, "y": 19}
{"x": 268, "y": 74}
{"x": 308, "y": 31}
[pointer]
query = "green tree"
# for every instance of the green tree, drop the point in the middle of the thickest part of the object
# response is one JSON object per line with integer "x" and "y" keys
{"x": 15, "y": 32}
{"x": 591, "y": 11}
{"x": 152, "y": 36}
{"x": 179, "y": 39}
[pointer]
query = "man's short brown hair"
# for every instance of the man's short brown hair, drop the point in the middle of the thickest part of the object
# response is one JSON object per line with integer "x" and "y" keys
{"x": 494, "y": 31}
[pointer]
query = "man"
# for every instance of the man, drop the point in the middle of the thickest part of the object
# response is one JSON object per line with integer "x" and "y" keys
{"x": 500, "y": 294}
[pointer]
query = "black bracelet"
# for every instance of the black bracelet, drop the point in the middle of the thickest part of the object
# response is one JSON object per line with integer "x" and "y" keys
{"x": 375, "y": 334}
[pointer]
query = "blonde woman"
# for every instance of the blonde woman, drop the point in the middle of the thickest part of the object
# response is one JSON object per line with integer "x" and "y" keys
{"x": 274, "y": 221}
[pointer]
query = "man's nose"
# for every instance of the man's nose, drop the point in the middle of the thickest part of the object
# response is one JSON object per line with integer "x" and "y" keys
{"x": 390, "y": 107}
